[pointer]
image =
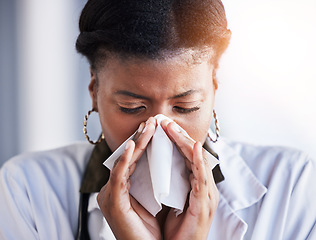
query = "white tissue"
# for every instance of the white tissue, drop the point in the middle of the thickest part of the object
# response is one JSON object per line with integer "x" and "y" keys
{"x": 160, "y": 176}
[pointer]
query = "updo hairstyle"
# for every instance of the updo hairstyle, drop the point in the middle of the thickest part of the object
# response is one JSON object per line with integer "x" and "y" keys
{"x": 149, "y": 29}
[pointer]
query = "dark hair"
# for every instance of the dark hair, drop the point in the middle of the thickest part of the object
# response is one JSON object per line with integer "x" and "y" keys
{"x": 148, "y": 28}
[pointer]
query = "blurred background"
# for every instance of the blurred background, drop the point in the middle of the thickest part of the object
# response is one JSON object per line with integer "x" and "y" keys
{"x": 267, "y": 77}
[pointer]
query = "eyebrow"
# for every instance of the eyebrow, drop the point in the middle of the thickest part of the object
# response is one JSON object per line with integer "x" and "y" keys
{"x": 134, "y": 95}
{"x": 190, "y": 92}
{"x": 130, "y": 94}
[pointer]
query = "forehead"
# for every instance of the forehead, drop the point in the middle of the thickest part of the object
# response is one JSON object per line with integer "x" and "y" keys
{"x": 160, "y": 78}
{"x": 187, "y": 56}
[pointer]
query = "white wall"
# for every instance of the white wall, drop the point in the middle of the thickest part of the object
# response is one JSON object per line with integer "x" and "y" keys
{"x": 49, "y": 82}
{"x": 8, "y": 81}
{"x": 268, "y": 75}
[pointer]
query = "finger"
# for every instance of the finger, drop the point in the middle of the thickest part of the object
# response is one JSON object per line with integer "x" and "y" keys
{"x": 120, "y": 172}
{"x": 212, "y": 189}
{"x": 191, "y": 178}
{"x": 182, "y": 140}
{"x": 144, "y": 138}
{"x": 200, "y": 176}
{"x": 164, "y": 125}
{"x": 101, "y": 196}
{"x": 132, "y": 168}
{"x": 188, "y": 164}
{"x": 139, "y": 131}
{"x": 212, "y": 185}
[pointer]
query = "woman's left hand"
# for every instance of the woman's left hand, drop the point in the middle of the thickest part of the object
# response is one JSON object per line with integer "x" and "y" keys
{"x": 196, "y": 219}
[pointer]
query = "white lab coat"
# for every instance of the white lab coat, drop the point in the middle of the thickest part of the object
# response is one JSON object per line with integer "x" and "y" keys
{"x": 268, "y": 193}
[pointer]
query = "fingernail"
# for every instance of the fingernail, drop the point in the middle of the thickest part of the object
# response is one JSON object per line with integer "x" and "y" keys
{"x": 146, "y": 127}
{"x": 141, "y": 127}
{"x": 176, "y": 127}
{"x": 165, "y": 122}
{"x": 128, "y": 145}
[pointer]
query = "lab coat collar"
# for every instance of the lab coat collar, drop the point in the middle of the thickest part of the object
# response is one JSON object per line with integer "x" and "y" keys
{"x": 96, "y": 174}
{"x": 241, "y": 187}
{"x": 240, "y": 190}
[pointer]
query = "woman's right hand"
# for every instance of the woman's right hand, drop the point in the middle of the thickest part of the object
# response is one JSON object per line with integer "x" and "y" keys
{"x": 126, "y": 217}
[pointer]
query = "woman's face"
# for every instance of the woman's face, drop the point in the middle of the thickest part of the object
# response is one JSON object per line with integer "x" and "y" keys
{"x": 128, "y": 92}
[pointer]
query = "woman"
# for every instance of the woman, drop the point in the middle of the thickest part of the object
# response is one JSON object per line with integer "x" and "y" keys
{"x": 147, "y": 58}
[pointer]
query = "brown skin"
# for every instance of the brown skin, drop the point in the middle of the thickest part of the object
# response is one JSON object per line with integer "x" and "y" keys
{"x": 128, "y": 93}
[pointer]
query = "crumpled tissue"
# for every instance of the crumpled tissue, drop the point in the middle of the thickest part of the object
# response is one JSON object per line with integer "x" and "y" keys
{"x": 161, "y": 176}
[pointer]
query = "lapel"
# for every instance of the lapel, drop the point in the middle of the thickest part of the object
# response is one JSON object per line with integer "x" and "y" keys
{"x": 240, "y": 190}
{"x": 96, "y": 174}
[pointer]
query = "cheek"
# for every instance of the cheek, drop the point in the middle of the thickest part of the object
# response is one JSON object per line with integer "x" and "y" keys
{"x": 114, "y": 125}
{"x": 197, "y": 126}
{"x": 115, "y": 128}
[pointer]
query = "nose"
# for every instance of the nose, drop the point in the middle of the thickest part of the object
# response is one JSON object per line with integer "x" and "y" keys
{"x": 163, "y": 109}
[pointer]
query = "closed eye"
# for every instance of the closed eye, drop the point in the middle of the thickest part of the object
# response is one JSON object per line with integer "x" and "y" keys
{"x": 185, "y": 110}
{"x": 132, "y": 110}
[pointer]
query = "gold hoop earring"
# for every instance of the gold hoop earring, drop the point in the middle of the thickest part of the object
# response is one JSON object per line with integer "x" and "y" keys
{"x": 216, "y": 128}
{"x": 85, "y": 128}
